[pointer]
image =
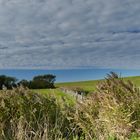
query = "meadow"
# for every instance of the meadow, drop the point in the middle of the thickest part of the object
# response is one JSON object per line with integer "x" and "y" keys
{"x": 91, "y": 85}
{"x": 110, "y": 112}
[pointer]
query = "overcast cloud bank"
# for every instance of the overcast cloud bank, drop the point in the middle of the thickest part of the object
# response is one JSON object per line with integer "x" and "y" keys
{"x": 54, "y": 34}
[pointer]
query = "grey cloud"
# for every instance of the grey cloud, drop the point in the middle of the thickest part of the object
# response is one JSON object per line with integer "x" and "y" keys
{"x": 69, "y": 34}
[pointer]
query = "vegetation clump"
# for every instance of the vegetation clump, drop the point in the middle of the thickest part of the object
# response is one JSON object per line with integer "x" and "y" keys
{"x": 112, "y": 112}
{"x": 38, "y": 82}
{"x": 26, "y": 115}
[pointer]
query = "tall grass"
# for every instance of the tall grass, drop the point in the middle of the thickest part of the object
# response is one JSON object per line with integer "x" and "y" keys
{"x": 25, "y": 115}
{"x": 112, "y": 112}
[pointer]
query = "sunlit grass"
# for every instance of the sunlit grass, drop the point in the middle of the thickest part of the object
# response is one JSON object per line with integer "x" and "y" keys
{"x": 91, "y": 85}
{"x": 57, "y": 93}
{"x": 86, "y": 85}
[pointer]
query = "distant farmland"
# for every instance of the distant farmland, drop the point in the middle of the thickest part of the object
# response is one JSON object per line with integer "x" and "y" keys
{"x": 91, "y": 85}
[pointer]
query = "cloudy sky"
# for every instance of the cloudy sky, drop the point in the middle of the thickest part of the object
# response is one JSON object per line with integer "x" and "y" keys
{"x": 64, "y": 34}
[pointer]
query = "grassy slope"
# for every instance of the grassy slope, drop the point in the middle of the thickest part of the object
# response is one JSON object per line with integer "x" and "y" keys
{"x": 90, "y": 85}
{"x": 135, "y": 80}
{"x": 50, "y": 91}
{"x": 57, "y": 93}
{"x": 87, "y": 85}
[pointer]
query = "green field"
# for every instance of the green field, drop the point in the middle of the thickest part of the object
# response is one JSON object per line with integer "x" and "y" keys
{"x": 56, "y": 91}
{"x": 91, "y": 85}
{"x": 110, "y": 113}
{"x": 86, "y": 85}
{"x": 135, "y": 80}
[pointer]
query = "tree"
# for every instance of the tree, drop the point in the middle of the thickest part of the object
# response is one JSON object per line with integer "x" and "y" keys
{"x": 38, "y": 82}
{"x": 7, "y": 81}
{"x": 43, "y": 81}
{"x": 24, "y": 83}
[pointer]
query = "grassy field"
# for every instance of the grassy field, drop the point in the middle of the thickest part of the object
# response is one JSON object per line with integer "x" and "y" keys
{"x": 91, "y": 85}
{"x": 111, "y": 113}
{"x": 56, "y": 93}
{"x": 135, "y": 80}
{"x": 86, "y": 85}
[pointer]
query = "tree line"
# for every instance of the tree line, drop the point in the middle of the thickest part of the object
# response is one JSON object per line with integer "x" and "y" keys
{"x": 38, "y": 82}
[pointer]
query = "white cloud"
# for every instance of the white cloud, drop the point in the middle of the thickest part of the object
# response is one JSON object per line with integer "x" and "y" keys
{"x": 69, "y": 34}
